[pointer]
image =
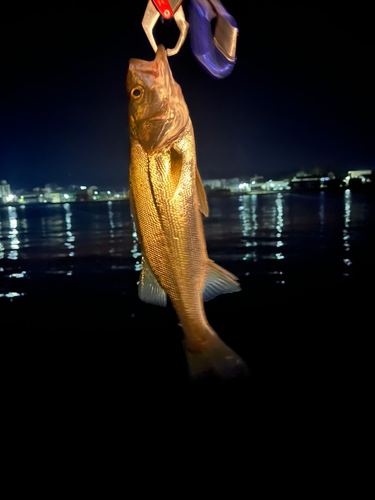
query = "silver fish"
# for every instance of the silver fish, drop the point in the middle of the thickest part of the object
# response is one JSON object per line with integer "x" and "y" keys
{"x": 167, "y": 199}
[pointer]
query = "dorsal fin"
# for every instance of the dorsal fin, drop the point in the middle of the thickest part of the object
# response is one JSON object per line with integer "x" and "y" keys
{"x": 149, "y": 289}
{"x": 202, "y": 197}
{"x": 219, "y": 281}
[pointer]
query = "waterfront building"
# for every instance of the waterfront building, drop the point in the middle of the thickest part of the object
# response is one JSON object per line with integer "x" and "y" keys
{"x": 257, "y": 183}
{"x": 256, "y": 179}
{"x": 302, "y": 181}
{"x": 28, "y": 198}
{"x": 354, "y": 174}
{"x": 360, "y": 179}
{"x": 212, "y": 183}
{"x": 92, "y": 192}
{"x": 362, "y": 175}
{"x": 53, "y": 197}
{"x": 5, "y": 193}
{"x": 233, "y": 184}
{"x": 271, "y": 185}
{"x": 66, "y": 197}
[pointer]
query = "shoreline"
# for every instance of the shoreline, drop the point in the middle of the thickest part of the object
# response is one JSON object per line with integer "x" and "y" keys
{"x": 215, "y": 193}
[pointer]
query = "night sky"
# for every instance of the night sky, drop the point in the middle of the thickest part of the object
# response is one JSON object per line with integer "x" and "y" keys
{"x": 301, "y": 94}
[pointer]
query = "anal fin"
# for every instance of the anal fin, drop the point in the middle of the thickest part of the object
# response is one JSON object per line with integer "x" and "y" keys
{"x": 219, "y": 281}
{"x": 149, "y": 289}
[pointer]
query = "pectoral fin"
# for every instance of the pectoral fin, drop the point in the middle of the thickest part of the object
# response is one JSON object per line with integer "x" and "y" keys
{"x": 176, "y": 169}
{"x": 202, "y": 197}
{"x": 149, "y": 289}
{"x": 219, "y": 281}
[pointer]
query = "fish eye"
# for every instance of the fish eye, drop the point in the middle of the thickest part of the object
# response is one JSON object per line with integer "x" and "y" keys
{"x": 136, "y": 93}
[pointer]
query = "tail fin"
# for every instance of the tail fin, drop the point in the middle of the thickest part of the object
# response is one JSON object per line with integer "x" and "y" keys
{"x": 217, "y": 361}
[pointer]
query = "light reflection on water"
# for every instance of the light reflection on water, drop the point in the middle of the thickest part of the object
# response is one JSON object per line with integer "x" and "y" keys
{"x": 70, "y": 238}
{"x": 346, "y": 231}
{"x": 255, "y": 239}
{"x": 2, "y": 252}
{"x": 11, "y": 295}
{"x": 111, "y": 227}
{"x": 279, "y": 227}
{"x": 13, "y": 234}
{"x": 284, "y": 236}
{"x": 136, "y": 250}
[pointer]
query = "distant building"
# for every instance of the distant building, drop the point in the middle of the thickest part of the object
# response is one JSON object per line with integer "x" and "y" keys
{"x": 92, "y": 192}
{"x": 67, "y": 197}
{"x": 233, "y": 184}
{"x": 363, "y": 175}
{"x": 302, "y": 181}
{"x": 5, "y": 193}
{"x": 256, "y": 179}
{"x": 53, "y": 197}
{"x": 271, "y": 185}
{"x": 359, "y": 173}
{"x": 358, "y": 179}
{"x": 256, "y": 183}
{"x": 213, "y": 183}
{"x": 82, "y": 194}
{"x": 28, "y": 198}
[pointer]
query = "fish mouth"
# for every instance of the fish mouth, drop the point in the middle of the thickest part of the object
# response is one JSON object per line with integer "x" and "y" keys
{"x": 161, "y": 53}
{"x": 150, "y": 71}
{"x": 161, "y": 61}
{"x": 149, "y": 67}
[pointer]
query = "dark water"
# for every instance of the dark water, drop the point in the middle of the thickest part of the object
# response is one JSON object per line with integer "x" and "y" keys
{"x": 275, "y": 244}
{"x": 68, "y": 291}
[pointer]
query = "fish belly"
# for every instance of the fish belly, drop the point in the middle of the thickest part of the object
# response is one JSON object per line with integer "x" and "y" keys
{"x": 169, "y": 222}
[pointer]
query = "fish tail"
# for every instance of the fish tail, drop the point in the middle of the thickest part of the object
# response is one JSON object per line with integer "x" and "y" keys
{"x": 214, "y": 361}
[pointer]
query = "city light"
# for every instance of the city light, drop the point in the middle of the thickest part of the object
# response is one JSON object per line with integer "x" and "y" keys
{"x": 255, "y": 185}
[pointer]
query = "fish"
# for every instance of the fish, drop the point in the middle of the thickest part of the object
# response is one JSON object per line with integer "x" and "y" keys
{"x": 167, "y": 200}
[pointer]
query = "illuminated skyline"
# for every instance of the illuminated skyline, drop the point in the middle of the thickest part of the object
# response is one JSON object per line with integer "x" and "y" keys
{"x": 300, "y": 96}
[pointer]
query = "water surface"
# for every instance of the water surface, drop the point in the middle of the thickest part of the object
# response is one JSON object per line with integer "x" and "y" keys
{"x": 307, "y": 240}
{"x": 68, "y": 292}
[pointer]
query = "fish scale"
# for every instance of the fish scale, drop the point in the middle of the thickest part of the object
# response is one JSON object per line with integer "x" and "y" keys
{"x": 167, "y": 201}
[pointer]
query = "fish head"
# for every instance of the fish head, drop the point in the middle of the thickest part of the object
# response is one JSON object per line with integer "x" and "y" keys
{"x": 157, "y": 109}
